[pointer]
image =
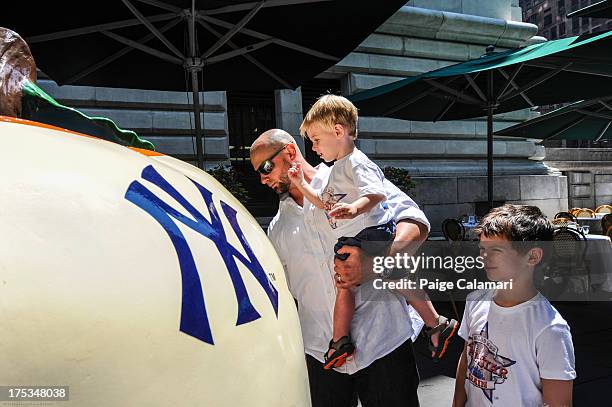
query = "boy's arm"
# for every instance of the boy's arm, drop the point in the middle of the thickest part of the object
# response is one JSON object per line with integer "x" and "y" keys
{"x": 556, "y": 363}
{"x": 460, "y": 397}
{"x": 557, "y": 393}
{"x": 296, "y": 175}
{"x": 310, "y": 194}
{"x": 359, "y": 206}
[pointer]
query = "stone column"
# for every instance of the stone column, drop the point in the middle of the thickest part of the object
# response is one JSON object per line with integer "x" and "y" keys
{"x": 289, "y": 113}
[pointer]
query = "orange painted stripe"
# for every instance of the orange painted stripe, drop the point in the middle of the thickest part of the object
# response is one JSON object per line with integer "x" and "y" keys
{"x": 43, "y": 125}
{"x": 17, "y": 120}
{"x": 148, "y": 153}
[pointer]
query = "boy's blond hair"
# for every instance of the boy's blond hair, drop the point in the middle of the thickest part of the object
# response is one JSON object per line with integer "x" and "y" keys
{"x": 330, "y": 110}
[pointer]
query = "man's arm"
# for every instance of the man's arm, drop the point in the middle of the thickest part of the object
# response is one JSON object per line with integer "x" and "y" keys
{"x": 357, "y": 268}
{"x": 557, "y": 393}
{"x": 460, "y": 397}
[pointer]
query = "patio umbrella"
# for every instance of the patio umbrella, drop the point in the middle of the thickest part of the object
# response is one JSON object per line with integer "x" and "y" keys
{"x": 193, "y": 45}
{"x": 602, "y": 9}
{"x": 552, "y": 72}
{"x": 584, "y": 120}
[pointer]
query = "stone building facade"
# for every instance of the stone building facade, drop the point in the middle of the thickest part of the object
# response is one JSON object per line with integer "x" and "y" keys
{"x": 550, "y": 17}
{"x": 446, "y": 159}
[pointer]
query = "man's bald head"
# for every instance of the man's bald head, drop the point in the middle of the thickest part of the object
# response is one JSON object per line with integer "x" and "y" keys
{"x": 272, "y": 140}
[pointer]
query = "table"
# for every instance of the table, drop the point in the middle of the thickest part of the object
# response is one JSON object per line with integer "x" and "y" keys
{"x": 599, "y": 252}
{"x": 594, "y": 224}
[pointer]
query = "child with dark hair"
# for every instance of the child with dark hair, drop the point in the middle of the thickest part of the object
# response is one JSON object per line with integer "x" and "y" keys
{"x": 518, "y": 349}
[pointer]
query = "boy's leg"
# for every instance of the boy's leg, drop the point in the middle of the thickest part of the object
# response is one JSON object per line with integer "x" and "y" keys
{"x": 329, "y": 388}
{"x": 440, "y": 337}
{"x": 341, "y": 347}
{"x": 422, "y": 305}
{"x": 391, "y": 381}
{"x": 343, "y": 313}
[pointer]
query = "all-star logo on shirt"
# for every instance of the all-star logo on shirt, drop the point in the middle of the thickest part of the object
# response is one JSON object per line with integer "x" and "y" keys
{"x": 329, "y": 199}
{"x": 486, "y": 368}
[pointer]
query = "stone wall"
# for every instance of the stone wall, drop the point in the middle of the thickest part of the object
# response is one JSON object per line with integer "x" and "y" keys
{"x": 589, "y": 174}
{"x": 444, "y": 197}
{"x": 164, "y": 118}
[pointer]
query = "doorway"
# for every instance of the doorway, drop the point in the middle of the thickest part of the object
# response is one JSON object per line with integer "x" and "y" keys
{"x": 249, "y": 115}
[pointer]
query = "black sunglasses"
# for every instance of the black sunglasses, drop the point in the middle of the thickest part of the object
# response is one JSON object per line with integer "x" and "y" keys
{"x": 267, "y": 166}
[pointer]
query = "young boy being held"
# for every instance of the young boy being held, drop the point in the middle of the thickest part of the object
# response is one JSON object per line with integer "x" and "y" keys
{"x": 353, "y": 203}
{"x": 518, "y": 349}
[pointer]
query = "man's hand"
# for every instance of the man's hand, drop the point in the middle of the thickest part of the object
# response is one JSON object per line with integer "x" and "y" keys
{"x": 356, "y": 269}
{"x": 343, "y": 211}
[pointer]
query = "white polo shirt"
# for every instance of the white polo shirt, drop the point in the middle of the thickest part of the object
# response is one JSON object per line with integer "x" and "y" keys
{"x": 382, "y": 319}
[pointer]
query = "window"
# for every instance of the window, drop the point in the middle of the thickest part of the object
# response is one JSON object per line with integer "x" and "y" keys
{"x": 553, "y": 33}
{"x": 575, "y": 5}
{"x": 562, "y": 29}
{"x": 584, "y": 3}
{"x": 547, "y": 20}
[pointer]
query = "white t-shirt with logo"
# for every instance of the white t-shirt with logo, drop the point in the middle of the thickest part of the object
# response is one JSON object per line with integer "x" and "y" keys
{"x": 352, "y": 177}
{"x": 510, "y": 348}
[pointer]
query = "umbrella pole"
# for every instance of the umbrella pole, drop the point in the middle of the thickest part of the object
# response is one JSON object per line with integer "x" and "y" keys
{"x": 490, "y": 156}
{"x": 196, "y": 114}
{"x": 194, "y": 66}
{"x": 490, "y": 107}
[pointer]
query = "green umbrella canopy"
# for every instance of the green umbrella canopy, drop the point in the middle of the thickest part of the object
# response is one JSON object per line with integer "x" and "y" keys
{"x": 603, "y": 9}
{"x": 558, "y": 71}
{"x": 584, "y": 120}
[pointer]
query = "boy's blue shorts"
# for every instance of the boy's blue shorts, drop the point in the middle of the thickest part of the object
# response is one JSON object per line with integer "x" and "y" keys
{"x": 374, "y": 240}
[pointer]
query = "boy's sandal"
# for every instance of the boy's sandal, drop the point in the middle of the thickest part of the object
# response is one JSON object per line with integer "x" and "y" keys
{"x": 343, "y": 349}
{"x": 447, "y": 329}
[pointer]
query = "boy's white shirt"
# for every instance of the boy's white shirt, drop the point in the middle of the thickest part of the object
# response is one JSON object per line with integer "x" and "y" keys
{"x": 511, "y": 348}
{"x": 352, "y": 177}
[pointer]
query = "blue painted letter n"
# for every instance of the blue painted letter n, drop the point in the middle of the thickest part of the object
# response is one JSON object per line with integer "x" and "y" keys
{"x": 194, "y": 318}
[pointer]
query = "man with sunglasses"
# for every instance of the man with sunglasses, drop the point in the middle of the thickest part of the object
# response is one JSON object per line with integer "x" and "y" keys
{"x": 383, "y": 373}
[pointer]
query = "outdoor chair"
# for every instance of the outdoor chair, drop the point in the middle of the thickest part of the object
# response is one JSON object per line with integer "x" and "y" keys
{"x": 565, "y": 215}
{"x": 574, "y": 210}
{"x": 585, "y": 213}
{"x": 568, "y": 259}
{"x": 606, "y": 222}
{"x": 561, "y": 222}
{"x": 453, "y": 230}
{"x": 603, "y": 209}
